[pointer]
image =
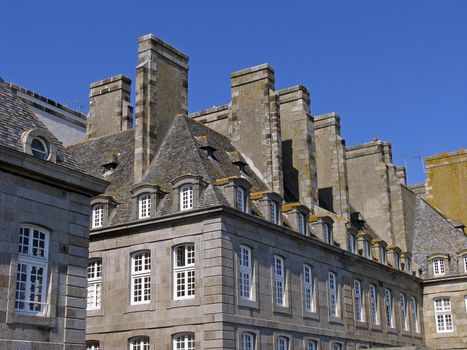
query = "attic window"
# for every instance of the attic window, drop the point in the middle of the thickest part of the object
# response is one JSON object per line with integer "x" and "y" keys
{"x": 108, "y": 169}
{"x": 209, "y": 152}
{"x": 39, "y": 148}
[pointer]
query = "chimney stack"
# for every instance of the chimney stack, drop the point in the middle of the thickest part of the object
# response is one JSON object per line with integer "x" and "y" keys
{"x": 161, "y": 94}
{"x": 254, "y": 124}
{"x": 109, "y": 108}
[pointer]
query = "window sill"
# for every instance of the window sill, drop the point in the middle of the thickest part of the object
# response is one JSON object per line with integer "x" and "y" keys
{"x": 281, "y": 309}
{"x": 140, "y": 307}
{"x": 252, "y": 304}
{"x": 376, "y": 327}
{"x": 31, "y": 319}
{"x": 391, "y": 330}
{"x": 95, "y": 312}
{"x": 311, "y": 315}
{"x": 336, "y": 320}
{"x": 361, "y": 324}
{"x": 183, "y": 303}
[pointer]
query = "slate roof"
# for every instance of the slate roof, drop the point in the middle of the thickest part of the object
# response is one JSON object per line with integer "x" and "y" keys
{"x": 182, "y": 152}
{"x": 16, "y": 117}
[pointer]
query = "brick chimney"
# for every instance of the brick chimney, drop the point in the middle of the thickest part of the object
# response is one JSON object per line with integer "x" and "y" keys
{"x": 109, "y": 108}
{"x": 254, "y": 124}
{"x": 161, "y": 94}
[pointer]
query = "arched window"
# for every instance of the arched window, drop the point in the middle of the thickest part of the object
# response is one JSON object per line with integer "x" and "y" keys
{"x": 245, "y": 273}
{"x": 282, "y": 343}
{"x": 311, "y": 345}
{"x": 139, "y": 343}
{"x": 357, "y": 288}
{"x": 337, "y": 346}
{"x": 92, "y": 345}
{"x": 184, "y": 271}
{"x": 97, "y": 215}
{"x": 186, "y": 197}
{"x": 279, "y": 281}
{"x": 31, "y": 277}
{"x": 94, "y": 284}
{"x": 141, "y": 277}
{"x": 184, "y": 342}
{"x": 308, "y": 288}
{"x": 39, "y": 148}
{"x": 247, "y": 341}
{"x": 144, "y": 206}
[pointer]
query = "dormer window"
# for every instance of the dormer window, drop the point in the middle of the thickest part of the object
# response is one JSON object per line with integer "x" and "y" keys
{"x": 366, "y": 245}
{"x": 240, "y": 199}
{"x": 397, "y": 261}
{"x": 382, "y": 255}
{"x": 39, "y": 148}
{"x": 273, "y": 212}
{"x": 327, "y": 233}
{"x": 301, "y": 223}
{"x": 438, "y": 267}
{"x": 97, "y": 216}
{"x": 351, "y": 243}
{"x": 144, "y": 206}
{"x": 186, "y": 197}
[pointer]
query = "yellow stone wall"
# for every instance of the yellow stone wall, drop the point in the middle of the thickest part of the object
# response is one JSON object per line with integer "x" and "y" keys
{"x": 446, "y": 185}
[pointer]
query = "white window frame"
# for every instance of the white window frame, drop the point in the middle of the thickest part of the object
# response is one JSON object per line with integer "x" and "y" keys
{"x": 97, "y": 215}
{"x": 184, "y": 341}
{"x": 94, "y": 296}
{"x": 140, "y": 277}
{"x": 443, "y": 315}
{"x": 374, "y": 307}
{"x": 139, "y": 343}
{"x": 245, "y": 273}
{"x": 273, "y": 212}
{"x": 186, "y": 197}
{"x": 302, "y": 224}
{"x": 333, "y": 295}
{"x": 358, "y": 298}
{"x": 397, "y": 261}
{"x": 279, "y": 281}
{"x": 404, "y": 310}
{"x": 351, "y": 243}
{"x": 311, "y": 344}
{"x": 308, "y": 293}
{"x": 240, "y": 199}
{"x": 382, "y": 255}
{"x": 282, "y": 343}
{"x": 184, "y": 271}
{"x": 439, "y": 268}
{"x": 415, "y": 325}
{"x": 247, "y": 341}
{"x": 144, "y": 206}
{"x": 389, "y": 308}
{"x": 92, "y": 345}
{"x": 33, "y": 254}
{"x": 327, "y": 233}
{"x": 367, "y": 246}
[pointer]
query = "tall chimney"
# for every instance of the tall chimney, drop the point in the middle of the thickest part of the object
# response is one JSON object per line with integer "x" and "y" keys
{"x": 109, "y": 108}
{"x": 254, "y": 124}
{"x": 161, "y": 94}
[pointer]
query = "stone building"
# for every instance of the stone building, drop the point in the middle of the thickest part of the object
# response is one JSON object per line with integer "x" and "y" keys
{"x": 252, "y": 226}
{"x": 44, "y": 215}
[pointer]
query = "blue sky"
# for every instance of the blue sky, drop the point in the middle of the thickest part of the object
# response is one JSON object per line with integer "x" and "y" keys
{"x": 396, "y": 70}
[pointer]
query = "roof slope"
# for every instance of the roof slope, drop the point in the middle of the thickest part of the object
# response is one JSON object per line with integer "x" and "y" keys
{"x": 16, "y": 117}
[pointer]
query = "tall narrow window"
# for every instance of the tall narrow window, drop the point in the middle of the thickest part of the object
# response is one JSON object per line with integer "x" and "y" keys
{"x": 333, "y": 295}
{"x": 415, "y": 325}
{"x": 389, "y": 308}
{"x": 186, "y": 197}
{"x": 367, "y": 249}
{"x": 351, "y": 243}
{"x": 184, "y": 271}
{"x": 311, "y": 345}
{"x": 374, "y": 305}
{"x": 273, "y": 212}
{"x": 465, "y": 263}
{"x": 241, "y": 199}
{"x": 144, "y": 206}
{"x": 438, "y": 267}
{"x": 92, "y": 345}
{"x": 184, "y": 342}
{"x": 279, "y": 281}
{"x": 282, "y": 343}
{"x": 397, "y": 261}
{"x": 247, "y": 341}
{"x": 408, "y": 265}
{"x": 382, "y": 255}
{"x": 139, "y": 343}
{"x": 31, "y": 277}
{"x": 141, "y": 277}
{"x": 327, "y": 233}
{"x": 357, "y": 286}
{"x": 301, "y": 224}
{"x": 308, "y": 288}
{"x": 94, "y": 284}
{"x": 245, "y": 273}
{"x": 97, "y": 215}
{"x": 404, "y": 312}
{"x": 443, "y": 315}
